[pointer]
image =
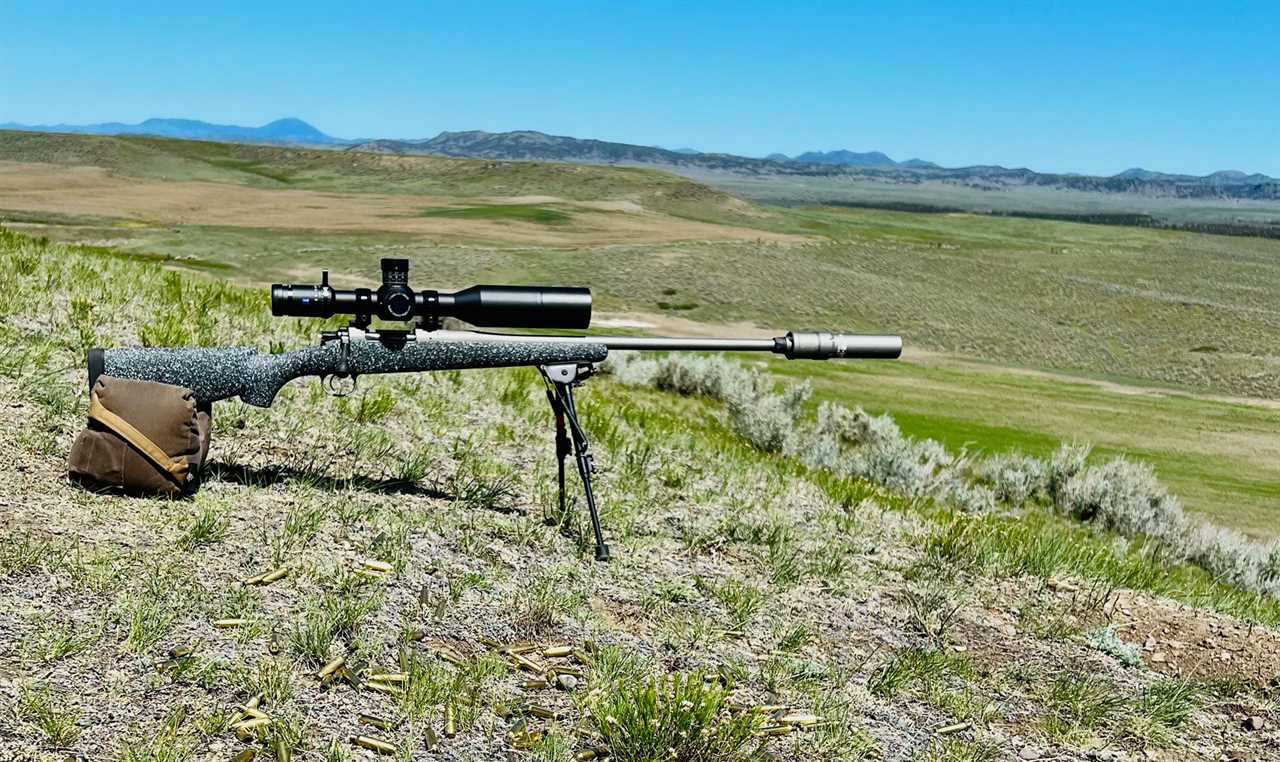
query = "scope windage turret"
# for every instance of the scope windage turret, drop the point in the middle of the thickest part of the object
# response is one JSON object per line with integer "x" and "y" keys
{"x": 485, "y": 306}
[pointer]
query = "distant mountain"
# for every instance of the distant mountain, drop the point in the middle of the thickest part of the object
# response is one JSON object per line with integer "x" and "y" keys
{"x": 847, "y": 158}
{"x": 842, "y": 158}
{"x": 528, "y": 145}
{"x": 288, "y": 131}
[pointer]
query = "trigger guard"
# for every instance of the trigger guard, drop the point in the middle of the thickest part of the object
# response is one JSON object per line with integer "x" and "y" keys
{"x": 336, "y": 386}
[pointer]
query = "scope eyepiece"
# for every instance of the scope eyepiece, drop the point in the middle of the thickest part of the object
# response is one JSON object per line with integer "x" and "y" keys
{"x": 485, "y": 306}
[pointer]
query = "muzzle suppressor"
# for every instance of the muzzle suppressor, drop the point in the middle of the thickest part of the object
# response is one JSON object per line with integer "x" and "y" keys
{"x": 793, "y": 346}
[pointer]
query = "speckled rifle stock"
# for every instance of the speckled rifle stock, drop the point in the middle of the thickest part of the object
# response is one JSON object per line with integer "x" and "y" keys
{"x": 256, "y": 377}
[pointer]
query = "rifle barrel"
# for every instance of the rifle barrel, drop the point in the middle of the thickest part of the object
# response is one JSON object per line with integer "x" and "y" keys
{"x": 794, "y": 345}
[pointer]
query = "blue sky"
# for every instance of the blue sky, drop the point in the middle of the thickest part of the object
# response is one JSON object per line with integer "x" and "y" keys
{"x": 1087, "y": 86}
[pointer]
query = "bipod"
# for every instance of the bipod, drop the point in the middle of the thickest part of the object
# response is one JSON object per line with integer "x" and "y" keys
{"x": 561, "y": 379}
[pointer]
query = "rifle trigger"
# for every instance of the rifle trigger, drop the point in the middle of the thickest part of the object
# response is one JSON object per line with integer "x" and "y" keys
{"x": 336, "y": 385}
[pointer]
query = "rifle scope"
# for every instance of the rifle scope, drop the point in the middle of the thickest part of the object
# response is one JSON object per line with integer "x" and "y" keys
{"x": 486, "y": 306}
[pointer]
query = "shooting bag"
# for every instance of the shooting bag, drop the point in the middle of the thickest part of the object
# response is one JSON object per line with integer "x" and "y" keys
{"x": 143, "y": 437}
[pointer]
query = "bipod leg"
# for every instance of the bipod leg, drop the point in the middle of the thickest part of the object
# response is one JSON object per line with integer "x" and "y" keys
{"x": 586, "y": 466}
{"x": 562, "y": 451}
{"x": 562, "y": 379}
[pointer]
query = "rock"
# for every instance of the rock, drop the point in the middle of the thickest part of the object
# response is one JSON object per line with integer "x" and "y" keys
{"x": 1063, "y": 586}
{"x": 1008, "y": 630}
{"x": 566, "y": 682}
{"x": 1255, "y": 723}
{"x": 1031, "y": 752}
{"x": 1159, "y": 657}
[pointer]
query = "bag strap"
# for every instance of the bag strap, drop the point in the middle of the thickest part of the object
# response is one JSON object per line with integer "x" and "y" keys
{"x": 176, "y": 468}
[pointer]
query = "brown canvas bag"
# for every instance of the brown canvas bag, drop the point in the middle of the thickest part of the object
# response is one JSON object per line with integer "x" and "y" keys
{"x": 143, "y": 437}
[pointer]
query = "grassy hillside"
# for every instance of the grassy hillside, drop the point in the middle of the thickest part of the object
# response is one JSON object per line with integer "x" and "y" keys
{"x": 1233, "y": 216}
{"x": 1144, "y": 331}
{"x": 792, "y": 613}
{"x": 348, "y": 172}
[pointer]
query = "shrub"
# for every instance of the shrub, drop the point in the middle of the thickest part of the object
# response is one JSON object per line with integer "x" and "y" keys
{"x": 970, "y": 498}
{"x": 1068, "y": 461}
{"x": 1126, "y": 497}
{"x": 713, "y": 377}
{"x": 677, "y": 717}
{"x": 630, "y": 368}
{"x": 767, "y": 421}
{"x": 1120, "y": 495}
{"x": 1015, "y": 478}
{"x": 1104, "y": 639}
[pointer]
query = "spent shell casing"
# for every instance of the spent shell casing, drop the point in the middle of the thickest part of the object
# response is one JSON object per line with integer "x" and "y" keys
{"x": 556, "y": 652}
{"x": 776, "y": 730}
{"x": 373, "y": 744}
{"x": 540, "y": 712}
{"x": 385, "y": 688}
{"x": 226, "y": 624}
{"x": 251, "y": 723}
{"x": 448, "y": 654}
{"x": 274, "y": 576}
{"x": 181, "y": 652}
{"x": 489, "y": 643}
{"x": 565, "y": 671}
{"x": 284, "y": 752}
{"x": 250, "y": 713}
{"x": 255, "y": 579}
{"x": 247, "y": 730}
{"x": 524, "y": 740}
{"x": 257, "y": 701}
{"x": 389, "y": 677}
{"x": 349, "y": 677}
{"x": 580, "y": 656}
{"x": 333, "y": 666}
{"x": 377, "y": 722}
{"x": 415, "y": 635}
{"x": 374, "y": 565}
{"x": 450, "y": 721}
{"x": 525, "y": 663}
{"x": 798, "y": 718}
{"x": 586, "y": 755}
{"x": 959, "y": 727}
{"x": 519, "y": 648}
{"x": 245, "y": 756}
{"x": 429, "y": 738}
{"x": 535, "y": 685}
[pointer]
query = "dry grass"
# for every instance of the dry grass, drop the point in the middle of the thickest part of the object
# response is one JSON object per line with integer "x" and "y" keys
{"x": 788, "y": 587}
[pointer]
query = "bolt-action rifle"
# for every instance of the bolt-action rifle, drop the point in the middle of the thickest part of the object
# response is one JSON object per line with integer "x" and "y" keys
{"x": 346, "y": 353}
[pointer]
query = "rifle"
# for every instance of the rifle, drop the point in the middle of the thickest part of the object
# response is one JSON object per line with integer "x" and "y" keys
{"x": 564, "y": 362}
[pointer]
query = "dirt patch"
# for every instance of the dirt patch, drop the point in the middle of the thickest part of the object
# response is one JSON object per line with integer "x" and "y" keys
{"x": 1178, "y": 640}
